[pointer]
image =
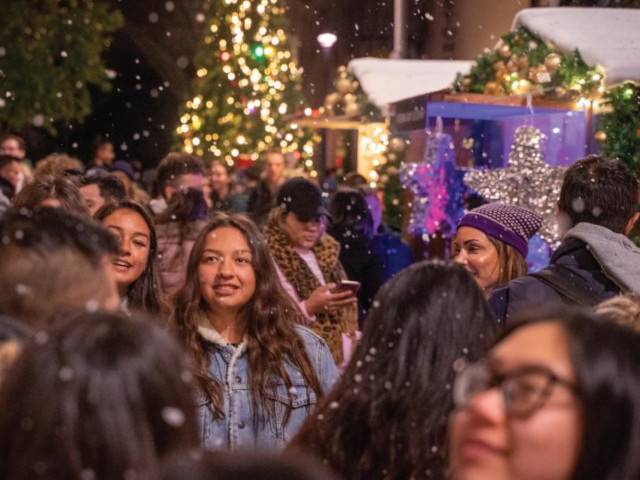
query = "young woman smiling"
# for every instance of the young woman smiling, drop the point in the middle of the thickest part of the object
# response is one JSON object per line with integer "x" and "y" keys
{"x": 134, "y": 268}
{"x": 259, "y": 372}
{"x": 558, "y": 398}
{"x": 491, "y": 243}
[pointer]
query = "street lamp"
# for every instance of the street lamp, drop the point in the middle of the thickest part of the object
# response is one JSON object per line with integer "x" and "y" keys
{"x": 327, "y": 40}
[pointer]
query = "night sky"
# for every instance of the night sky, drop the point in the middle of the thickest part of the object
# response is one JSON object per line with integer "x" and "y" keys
{"x": 151, "y": 69}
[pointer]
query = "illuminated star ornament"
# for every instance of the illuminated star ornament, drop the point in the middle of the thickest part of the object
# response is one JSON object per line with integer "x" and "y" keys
{"x": 527, "y": 181}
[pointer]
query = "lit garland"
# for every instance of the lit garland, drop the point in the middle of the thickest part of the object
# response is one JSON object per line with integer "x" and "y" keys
{"x": 349, "y": 99}
{"x": 388, "y": 175}
{"x": 381, "y": 153}
{"x": 620, "y": 125}
{"x": 247, "y": 85}
{"x": 523, "y": 63}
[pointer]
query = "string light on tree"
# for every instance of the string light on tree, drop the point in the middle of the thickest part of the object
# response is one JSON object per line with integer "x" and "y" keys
{"x": 246, "y": 86}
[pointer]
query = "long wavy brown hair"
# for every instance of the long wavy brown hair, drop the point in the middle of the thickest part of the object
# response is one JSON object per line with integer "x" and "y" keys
{"x": 386, "y": 417}
{"x": 269, "y": 320}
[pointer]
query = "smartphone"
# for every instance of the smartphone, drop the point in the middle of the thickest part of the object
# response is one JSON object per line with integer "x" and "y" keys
{"x": 350, "y": 285}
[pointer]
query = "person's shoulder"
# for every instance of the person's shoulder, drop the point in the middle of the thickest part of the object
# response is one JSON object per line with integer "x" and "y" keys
{"x": 523, "y": 296}
{"x": 310, "y": 338}
{"x": 530, "y": 288}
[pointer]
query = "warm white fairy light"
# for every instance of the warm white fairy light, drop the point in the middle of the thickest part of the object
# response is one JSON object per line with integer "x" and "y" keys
{"x": 258, "y": 72}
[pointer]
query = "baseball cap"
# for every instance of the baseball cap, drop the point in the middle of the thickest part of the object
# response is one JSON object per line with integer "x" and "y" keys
{"x": 303, "y": 199}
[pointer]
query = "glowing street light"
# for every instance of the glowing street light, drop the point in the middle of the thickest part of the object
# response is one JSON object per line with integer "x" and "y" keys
{"x": 327, "y": 39}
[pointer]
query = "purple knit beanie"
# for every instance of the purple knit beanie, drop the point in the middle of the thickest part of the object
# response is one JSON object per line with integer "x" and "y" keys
{"x": 510, "y": 224}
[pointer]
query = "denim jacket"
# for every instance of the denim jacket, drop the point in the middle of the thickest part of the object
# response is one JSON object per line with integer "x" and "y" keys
{"x": 240, "y": 429}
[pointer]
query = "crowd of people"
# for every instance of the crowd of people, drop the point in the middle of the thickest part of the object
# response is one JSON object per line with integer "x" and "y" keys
{"x": 196, "y": 321}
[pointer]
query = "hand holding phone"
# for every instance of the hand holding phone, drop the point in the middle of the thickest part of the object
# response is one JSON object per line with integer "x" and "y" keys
{"x": 349, "y": 285}
{"x": 332, "y": 297}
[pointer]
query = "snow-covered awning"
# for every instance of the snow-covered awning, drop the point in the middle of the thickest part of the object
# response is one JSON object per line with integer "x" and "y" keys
{"x": 387, "y": 81}
{"x": 609, "y": 37}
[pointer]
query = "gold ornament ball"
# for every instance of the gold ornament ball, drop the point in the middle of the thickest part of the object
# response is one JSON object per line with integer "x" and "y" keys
{"x": 343, "y": 85}
{"x": 350, "y": 98}
{"x": 600, "y": 136}
{"x": 542, "y": 75}
{"x": 560, "y": 92}
{"x": 523, "y": 62}
{"x": 331, "y": 99}
{"x": 397, "y": 144}
{"x": 353, "y": 87}
{"x": 499, "y": 66}
{"x": 505, "y": 51}
{"x": 524, "y": 86}
{"x": 493, "y": 88}
{"x": 553, "y": 61}
{"x": 512, "y": 65}
{"x": 352, "y": 110}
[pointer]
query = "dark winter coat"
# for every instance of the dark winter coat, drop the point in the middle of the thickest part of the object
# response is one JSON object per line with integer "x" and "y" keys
{"x": 387, "y": 246}
{"x": 591, "y": 265}
{"x": 260, "y": 202}
{"x": 361, "y": 263}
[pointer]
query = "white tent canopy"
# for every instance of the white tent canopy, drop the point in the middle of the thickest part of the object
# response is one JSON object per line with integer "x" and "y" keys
{"x": 609, "y": 37}
{"x": 387, "y": 81}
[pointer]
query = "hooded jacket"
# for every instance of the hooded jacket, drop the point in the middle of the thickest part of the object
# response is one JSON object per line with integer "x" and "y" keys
{"x": 591, "y": 265}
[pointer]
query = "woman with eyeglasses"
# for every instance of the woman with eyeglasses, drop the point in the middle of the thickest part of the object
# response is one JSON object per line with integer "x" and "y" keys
{"x": 556, "y": 399}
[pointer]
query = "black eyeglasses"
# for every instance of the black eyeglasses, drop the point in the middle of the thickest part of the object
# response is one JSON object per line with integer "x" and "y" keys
{"x": 524, "y": 390}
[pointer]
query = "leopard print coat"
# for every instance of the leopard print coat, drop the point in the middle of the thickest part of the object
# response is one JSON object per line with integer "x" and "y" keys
{"x": 329, "y": 325}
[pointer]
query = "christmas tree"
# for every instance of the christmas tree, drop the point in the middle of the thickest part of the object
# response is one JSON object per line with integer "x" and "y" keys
{"x": 248, "y": 86}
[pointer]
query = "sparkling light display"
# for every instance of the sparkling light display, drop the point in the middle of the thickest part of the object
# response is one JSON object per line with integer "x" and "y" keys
{"x": 523, "y": 63}
{"x": 247, "y": 86}
{"x": 437, "y": 187}
{"x": 527, "y": 181}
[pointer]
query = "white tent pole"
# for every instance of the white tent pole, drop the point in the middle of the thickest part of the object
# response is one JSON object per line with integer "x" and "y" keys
{"x": 399, "y": 29}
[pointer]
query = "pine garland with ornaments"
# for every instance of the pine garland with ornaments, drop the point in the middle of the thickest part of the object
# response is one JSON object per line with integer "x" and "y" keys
{"x": 349, "y": 99}
{"x": 619, "y": 126}
{"x": 522, "y": 63}
{"x": 388, "y": 175}
{"x": 247, "y": 88}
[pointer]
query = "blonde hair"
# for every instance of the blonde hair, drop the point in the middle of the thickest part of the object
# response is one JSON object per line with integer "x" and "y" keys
{"x": 511, "y": 263}
{"x": 57, "y": 164}
{"x": 623, "y": 310}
